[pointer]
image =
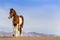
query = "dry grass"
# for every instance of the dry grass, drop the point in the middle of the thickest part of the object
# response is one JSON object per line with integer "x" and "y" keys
{"x": 30, "y": 38}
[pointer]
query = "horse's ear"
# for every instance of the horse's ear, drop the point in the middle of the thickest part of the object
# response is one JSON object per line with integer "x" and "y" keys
{"x": 11, "y": 8}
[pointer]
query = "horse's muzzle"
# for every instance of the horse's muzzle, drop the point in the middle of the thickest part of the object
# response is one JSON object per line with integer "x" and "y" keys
{"x": 8, "y": 17}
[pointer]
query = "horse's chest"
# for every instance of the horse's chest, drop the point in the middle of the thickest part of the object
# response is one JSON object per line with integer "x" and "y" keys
{"x": 16, "y": 20}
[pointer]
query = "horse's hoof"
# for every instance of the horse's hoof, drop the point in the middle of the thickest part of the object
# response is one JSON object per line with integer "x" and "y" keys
{"x": 13, "y": 35}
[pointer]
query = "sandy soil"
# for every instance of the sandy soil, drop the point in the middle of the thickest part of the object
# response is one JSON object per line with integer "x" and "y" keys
{"x": 29, "y": 38}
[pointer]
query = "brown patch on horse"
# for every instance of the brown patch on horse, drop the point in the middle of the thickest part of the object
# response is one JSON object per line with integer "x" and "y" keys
{"x": 15, "y": 20}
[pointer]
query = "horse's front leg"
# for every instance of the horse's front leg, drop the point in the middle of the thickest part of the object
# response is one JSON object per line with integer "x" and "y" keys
{"x": 16, "y": 32}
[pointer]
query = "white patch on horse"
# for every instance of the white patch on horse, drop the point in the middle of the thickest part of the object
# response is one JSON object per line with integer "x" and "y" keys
{"x": 16, "y": 32}
{"x": 20, "y": 20}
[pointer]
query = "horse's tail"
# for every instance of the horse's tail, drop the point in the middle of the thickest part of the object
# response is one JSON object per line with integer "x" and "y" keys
{"x": 22, "y": 20}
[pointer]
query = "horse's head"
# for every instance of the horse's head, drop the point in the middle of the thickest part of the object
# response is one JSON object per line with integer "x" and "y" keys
{"x": 12, "y": 13}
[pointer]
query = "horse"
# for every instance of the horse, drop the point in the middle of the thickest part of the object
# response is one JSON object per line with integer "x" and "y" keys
{"x": 18, "y": 21}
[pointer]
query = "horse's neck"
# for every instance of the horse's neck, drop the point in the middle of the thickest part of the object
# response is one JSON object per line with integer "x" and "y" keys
{"x": 15, "y": 16}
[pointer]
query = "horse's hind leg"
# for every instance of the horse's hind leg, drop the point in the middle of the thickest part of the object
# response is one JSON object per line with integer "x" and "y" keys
{"x": 20, "y": 30}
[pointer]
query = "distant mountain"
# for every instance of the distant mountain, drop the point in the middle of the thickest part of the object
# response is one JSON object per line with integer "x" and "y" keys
{"x": 9, "y": 34}
{"x": 36, "y": 34}
{"x": 39, "y": 34}
{"x": 3, "y": 34}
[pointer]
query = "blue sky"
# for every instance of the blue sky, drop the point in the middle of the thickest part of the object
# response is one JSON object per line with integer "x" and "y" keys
{"x": 42, "y": 16}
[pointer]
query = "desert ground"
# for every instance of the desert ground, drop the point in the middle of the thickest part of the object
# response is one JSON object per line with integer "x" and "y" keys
{"x": 30, "y": 38}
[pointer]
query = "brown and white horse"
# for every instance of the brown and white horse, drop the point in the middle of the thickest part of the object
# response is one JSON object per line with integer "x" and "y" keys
{"x": 18, "y": 22}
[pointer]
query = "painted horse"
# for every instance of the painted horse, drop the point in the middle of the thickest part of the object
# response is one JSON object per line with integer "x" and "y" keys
{"x": 18, "y": 22}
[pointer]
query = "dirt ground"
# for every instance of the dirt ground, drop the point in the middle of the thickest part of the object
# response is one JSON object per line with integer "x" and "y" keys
{"x": 30, "y": 38}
